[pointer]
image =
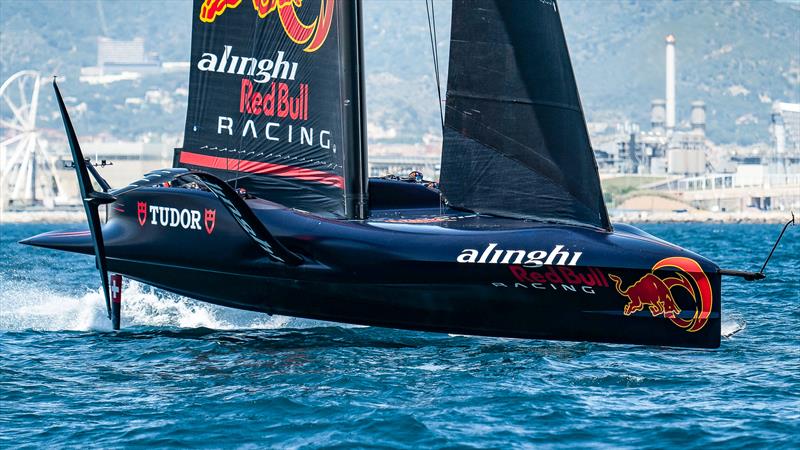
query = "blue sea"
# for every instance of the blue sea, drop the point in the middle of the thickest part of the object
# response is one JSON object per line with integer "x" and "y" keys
{"x": 187, "y": 374}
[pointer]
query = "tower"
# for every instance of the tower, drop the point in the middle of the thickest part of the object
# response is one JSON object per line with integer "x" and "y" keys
{"x": 657, "y": 115}
{"x": 698, "y": 117}
{"x": 670, "y": 85}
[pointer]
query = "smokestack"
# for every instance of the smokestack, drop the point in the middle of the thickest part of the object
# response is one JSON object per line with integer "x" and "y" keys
{"x": 698, "y": 117}
{"x": 657, "y": 113}
{"x": 670, "y": 94}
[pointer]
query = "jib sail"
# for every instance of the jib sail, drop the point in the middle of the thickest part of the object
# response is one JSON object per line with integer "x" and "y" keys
{"x": 267, "y": 91}
{"x": 515, "y": 138}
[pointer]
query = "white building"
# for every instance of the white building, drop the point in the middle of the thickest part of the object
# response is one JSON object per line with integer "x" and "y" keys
{"x": 120, "y": 60}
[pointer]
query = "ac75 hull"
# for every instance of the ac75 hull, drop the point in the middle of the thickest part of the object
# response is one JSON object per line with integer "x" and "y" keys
{"x": 417, "y": 269}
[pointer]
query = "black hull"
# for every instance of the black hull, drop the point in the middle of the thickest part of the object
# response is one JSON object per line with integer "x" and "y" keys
{"x": 455, "y": 309}
{"x": 409, "y": 268}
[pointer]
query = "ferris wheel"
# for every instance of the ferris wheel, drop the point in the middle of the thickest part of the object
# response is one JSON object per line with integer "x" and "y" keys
{"x": 28, "y": 175}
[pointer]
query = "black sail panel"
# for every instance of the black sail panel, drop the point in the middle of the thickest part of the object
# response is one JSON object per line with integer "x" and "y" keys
{"x": 265, "y": 102}
{"x": 515, "y": 138}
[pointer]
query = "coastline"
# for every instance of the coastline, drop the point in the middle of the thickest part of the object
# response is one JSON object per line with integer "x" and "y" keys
{"x": 69, "y": 216}
{"x": 771, "y": 217}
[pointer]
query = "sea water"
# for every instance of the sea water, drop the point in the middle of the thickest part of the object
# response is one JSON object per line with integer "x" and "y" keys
{"x": 184, "y": 373}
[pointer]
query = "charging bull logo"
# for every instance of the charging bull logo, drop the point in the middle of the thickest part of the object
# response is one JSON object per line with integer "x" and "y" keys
{"x": 300, "y": 33}
{"x": 141, "y": 208}
{"x": 210, "y": 219}
{"x": 657, "y": 293}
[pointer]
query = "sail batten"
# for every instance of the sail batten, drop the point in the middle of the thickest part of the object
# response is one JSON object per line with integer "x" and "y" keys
{"x": 522, "y": 100}
{"x": 515, "y": 137}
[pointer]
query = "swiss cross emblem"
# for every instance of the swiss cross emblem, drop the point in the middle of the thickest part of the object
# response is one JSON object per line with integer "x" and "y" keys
{"x": 141, "y": 207}
{"x": 210, "y": 219}
{"x": 116, "y": 288}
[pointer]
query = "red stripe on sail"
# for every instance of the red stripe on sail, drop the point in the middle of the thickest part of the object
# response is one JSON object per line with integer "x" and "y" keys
{"x": 263, "y": 168}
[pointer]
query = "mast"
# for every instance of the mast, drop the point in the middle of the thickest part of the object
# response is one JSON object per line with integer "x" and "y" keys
{"x": 354, "y": 110}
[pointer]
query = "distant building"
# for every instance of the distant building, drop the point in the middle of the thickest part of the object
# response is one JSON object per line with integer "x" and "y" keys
{"x": 679, "y": 161}
{"x": 121, "y": 59}
{"x": 129, "y": 160}
{"x": 111, "y": 52}
{"x": 665, "y": 148}
{"x": 786, "y": 128}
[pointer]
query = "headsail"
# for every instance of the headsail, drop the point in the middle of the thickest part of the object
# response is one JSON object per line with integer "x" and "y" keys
{"x": 266, "y": 100}
{"x": 515, "y": 138}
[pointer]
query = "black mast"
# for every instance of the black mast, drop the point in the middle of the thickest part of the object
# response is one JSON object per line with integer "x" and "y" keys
{"x": 354, "y": 111}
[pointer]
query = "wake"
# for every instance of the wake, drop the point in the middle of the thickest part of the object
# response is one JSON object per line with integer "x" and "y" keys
{"x": 732, "y": 325}
{"x": 23, "y": 308}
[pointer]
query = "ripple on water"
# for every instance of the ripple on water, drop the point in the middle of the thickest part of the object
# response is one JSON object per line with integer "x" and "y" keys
{"x": 183, "y": 373}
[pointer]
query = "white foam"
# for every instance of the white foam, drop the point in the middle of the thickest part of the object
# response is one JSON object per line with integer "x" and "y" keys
{"x": 732, "y": 325}
{"x": 25, "y": 308}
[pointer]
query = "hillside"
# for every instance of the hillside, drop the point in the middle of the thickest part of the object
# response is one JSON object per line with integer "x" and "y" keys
{"x": 737, "y": 57}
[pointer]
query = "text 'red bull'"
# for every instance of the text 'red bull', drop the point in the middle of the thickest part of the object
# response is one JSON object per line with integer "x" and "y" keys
{"x": 314, "y": 34}
{"x": 275, "y": 102}
{"x": 656, "y": 293}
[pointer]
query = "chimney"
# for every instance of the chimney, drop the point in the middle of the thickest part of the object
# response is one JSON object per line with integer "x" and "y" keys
{"x": 670, "y": 94}
{"x": 698, "y": 117}
{"x": 657, "y": 113}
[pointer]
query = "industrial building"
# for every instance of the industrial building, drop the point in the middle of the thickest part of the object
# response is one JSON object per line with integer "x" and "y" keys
{"x": 666, "y": 149}
{"x": 692, "y": 169}
{"x": 119, "y": 60}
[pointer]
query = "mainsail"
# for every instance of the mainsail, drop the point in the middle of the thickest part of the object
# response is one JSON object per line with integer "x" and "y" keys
{"x": 268, "y": 99}
{"x": 515, "y": 138}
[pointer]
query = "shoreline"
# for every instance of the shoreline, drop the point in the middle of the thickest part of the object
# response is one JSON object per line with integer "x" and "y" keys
{"x": 772, "y": 217}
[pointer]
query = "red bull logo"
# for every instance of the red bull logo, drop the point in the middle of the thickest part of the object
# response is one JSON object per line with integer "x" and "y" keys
{"x": 313, "y": 34}
{"x": 657, "y": 293}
